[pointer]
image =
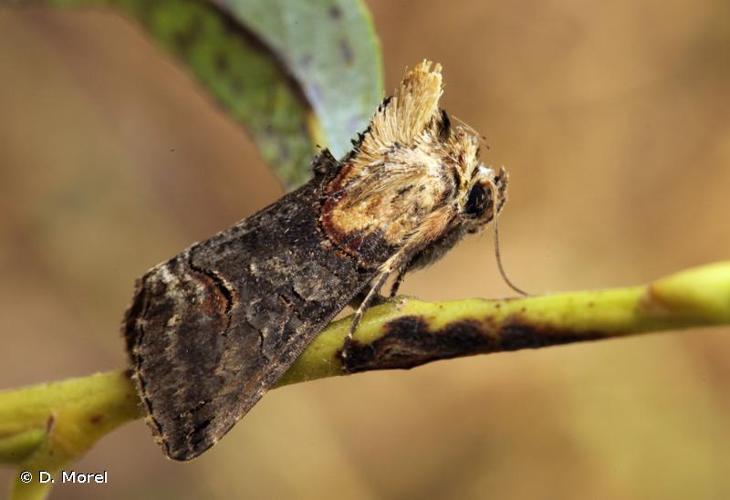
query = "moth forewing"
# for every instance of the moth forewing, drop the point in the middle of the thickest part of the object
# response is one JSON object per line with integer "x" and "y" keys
{"x": 210, "y": 330}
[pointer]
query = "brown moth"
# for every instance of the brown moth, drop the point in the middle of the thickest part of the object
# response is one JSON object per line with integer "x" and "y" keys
{"x": 210, "y": 330}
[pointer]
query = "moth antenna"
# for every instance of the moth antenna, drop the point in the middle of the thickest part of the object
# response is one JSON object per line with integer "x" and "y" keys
{"x": 498, "y": 256}
{"x": 466, "y": 126}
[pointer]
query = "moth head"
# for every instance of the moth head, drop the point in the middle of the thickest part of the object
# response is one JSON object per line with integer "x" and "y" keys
{"x": 483, "y": 197}
{"x": 411, "y": 139}
{"x": 414, "y": 173}
{"x": 412, "y": 126}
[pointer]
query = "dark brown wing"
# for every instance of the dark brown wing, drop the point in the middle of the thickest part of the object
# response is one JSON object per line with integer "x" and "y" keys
{"x": 216, "y": 326}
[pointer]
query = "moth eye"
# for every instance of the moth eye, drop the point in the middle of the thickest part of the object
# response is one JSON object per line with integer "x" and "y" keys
{"x": 478, "y": 201}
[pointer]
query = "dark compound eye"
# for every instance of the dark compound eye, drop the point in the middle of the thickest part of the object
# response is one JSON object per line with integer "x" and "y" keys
{"x": 479, "y": 199}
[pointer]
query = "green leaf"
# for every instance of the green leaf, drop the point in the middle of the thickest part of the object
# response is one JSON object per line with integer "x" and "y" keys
{"x": 331, "y": 48}
{"x": 297, "y": 74}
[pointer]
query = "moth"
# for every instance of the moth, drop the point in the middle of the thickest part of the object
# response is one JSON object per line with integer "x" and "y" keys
{"x": 210, "y": 330}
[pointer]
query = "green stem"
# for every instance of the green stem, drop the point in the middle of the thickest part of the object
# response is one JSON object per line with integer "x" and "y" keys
{"x": 48, "y": 426}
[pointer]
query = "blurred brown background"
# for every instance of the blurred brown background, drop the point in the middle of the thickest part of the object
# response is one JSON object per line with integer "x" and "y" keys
{"x": 614, "y": 121}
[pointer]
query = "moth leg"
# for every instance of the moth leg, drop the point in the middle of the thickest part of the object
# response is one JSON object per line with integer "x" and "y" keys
{"x": 398, "y": 280}
{"x": 371, "y": 295}
{"x": 358, "y": 299}
{"x": 397, "y": 262}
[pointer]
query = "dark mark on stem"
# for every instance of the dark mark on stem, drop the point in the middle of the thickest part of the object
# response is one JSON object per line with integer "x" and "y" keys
{"x": 50, "y": 423}
{"x": 409, "y": 342}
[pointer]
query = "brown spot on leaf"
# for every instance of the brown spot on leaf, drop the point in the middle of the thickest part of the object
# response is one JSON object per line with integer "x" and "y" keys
{"x": 96, "y": 419}
{"x": 221, "y": 63}
{"x": 335, "y": 12}
{"x": 347, "y": 53}
{"x": 185, "y": 39}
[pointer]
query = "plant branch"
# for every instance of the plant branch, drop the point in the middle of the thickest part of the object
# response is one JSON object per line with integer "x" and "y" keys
{"x": 47, "y": 426}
